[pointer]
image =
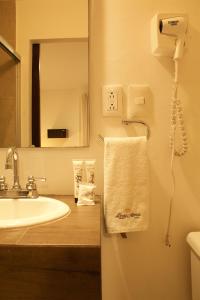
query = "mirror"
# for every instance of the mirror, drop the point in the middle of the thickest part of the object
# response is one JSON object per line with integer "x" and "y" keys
{"x": 52, "y": 40}
{"x": 61, "y": 95}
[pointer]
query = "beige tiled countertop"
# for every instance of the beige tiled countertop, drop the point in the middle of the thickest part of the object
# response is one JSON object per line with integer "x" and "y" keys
{"x": 81, "y": 228}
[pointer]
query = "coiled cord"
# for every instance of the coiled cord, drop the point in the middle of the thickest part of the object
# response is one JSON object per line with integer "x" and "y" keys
{"x": 176, "y": 118}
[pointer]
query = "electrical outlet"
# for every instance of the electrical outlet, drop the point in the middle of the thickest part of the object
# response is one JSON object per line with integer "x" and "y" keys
{"x": 112, "y": 100}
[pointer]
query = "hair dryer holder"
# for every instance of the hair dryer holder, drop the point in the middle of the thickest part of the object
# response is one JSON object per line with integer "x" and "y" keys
{"x": 161, "y": 44}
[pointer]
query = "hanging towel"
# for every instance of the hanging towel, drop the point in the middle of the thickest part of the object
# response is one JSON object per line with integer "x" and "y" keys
{"x": 126, "y": 188}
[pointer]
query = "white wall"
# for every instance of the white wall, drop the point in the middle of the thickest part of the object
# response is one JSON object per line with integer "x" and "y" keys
{"x": 63, "y": 86}
{"x": 64, "y": 64}
{"x": 141, "y": 267}
{"x": 60, "y": 109}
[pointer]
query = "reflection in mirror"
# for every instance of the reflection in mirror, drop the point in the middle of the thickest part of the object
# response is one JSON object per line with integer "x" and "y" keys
{"x": 56, "y": 104}
{"x": 60, "y": 93}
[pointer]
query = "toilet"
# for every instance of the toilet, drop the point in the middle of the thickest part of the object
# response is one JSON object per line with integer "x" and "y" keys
{"x": 193, "y": 239}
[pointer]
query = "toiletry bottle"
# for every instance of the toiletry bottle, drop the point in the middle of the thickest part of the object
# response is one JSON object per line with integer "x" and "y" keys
{"x": 90, "y": 171}
{"x": 78, "y": 176}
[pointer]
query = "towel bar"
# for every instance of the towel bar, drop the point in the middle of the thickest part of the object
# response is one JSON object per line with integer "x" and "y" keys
{"x": 127, "y": 122}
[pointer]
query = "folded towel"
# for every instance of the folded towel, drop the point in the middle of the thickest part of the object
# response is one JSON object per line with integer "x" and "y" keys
{"x": 126, "y": 189}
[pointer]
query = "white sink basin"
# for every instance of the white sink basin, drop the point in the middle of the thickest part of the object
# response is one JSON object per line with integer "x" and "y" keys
{"x": 25, "y": 212}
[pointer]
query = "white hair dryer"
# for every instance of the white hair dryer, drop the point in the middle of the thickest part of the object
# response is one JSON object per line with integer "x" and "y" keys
{"x": 176, "y": 27}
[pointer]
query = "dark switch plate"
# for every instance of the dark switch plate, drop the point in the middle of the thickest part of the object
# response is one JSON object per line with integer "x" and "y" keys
{"x": 57, "y": 133}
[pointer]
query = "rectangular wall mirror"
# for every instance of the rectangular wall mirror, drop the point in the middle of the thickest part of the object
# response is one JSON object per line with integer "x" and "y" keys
{"x": 52, "y": 108}
{"x": 60, "y": 93}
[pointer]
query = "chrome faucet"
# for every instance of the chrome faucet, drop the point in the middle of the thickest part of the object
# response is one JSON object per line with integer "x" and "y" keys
{"x": 16, "y": 191}
{"x": 12, "y": 163}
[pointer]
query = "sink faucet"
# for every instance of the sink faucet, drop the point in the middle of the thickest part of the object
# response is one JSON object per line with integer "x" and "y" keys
{"x": 16, "y": 191}
{"x": 12, "y": 163}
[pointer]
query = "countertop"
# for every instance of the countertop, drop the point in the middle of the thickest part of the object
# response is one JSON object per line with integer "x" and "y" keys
{"x": 79, "y": 229}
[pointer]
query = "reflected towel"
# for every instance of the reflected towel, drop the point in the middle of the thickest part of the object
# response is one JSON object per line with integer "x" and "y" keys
{"x": 126, "y": 188}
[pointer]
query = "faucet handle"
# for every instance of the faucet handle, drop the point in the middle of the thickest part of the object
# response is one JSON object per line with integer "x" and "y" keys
{"x": 3, "y": 184}
{"x": 31, "y": 185}
{"x": 43, "y": 179}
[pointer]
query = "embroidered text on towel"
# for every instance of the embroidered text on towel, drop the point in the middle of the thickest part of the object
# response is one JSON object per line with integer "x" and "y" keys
{"x": 126, "y": 214}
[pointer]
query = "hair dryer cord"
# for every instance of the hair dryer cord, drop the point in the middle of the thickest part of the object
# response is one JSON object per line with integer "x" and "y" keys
{"x": 176, "y": 117}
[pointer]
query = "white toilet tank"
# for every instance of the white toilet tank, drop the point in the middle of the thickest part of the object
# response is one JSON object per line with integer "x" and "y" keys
{"x": 193, "y": 240}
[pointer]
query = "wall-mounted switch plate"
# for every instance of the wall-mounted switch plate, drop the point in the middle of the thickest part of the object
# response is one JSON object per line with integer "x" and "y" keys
{"x": 112, "y": 100}
{"x": 137, "y": 100}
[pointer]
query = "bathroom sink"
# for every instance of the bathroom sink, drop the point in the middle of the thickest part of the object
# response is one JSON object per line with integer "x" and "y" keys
{"x": 26, "y": 212}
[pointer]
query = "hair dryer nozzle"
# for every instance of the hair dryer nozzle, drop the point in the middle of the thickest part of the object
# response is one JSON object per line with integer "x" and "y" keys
{"x": 176, "y": 27}
{"x": 173, "y": 26}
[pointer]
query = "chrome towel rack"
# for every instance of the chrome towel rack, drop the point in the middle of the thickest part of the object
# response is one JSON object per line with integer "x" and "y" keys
{"x": 127, "y": 122}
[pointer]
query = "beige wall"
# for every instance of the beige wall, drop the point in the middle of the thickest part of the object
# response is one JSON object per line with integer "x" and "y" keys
{"x": 7, "y": 75}
{"x": 141, "y": 267}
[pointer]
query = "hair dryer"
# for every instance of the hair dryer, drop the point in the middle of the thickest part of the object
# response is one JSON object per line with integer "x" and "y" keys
{"x": 176, "y": 27}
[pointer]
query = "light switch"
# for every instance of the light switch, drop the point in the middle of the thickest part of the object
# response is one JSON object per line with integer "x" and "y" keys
{"x": 137, "y": 100}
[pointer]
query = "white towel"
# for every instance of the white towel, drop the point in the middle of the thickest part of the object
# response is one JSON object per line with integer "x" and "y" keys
{"x": 126, "y": 187}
